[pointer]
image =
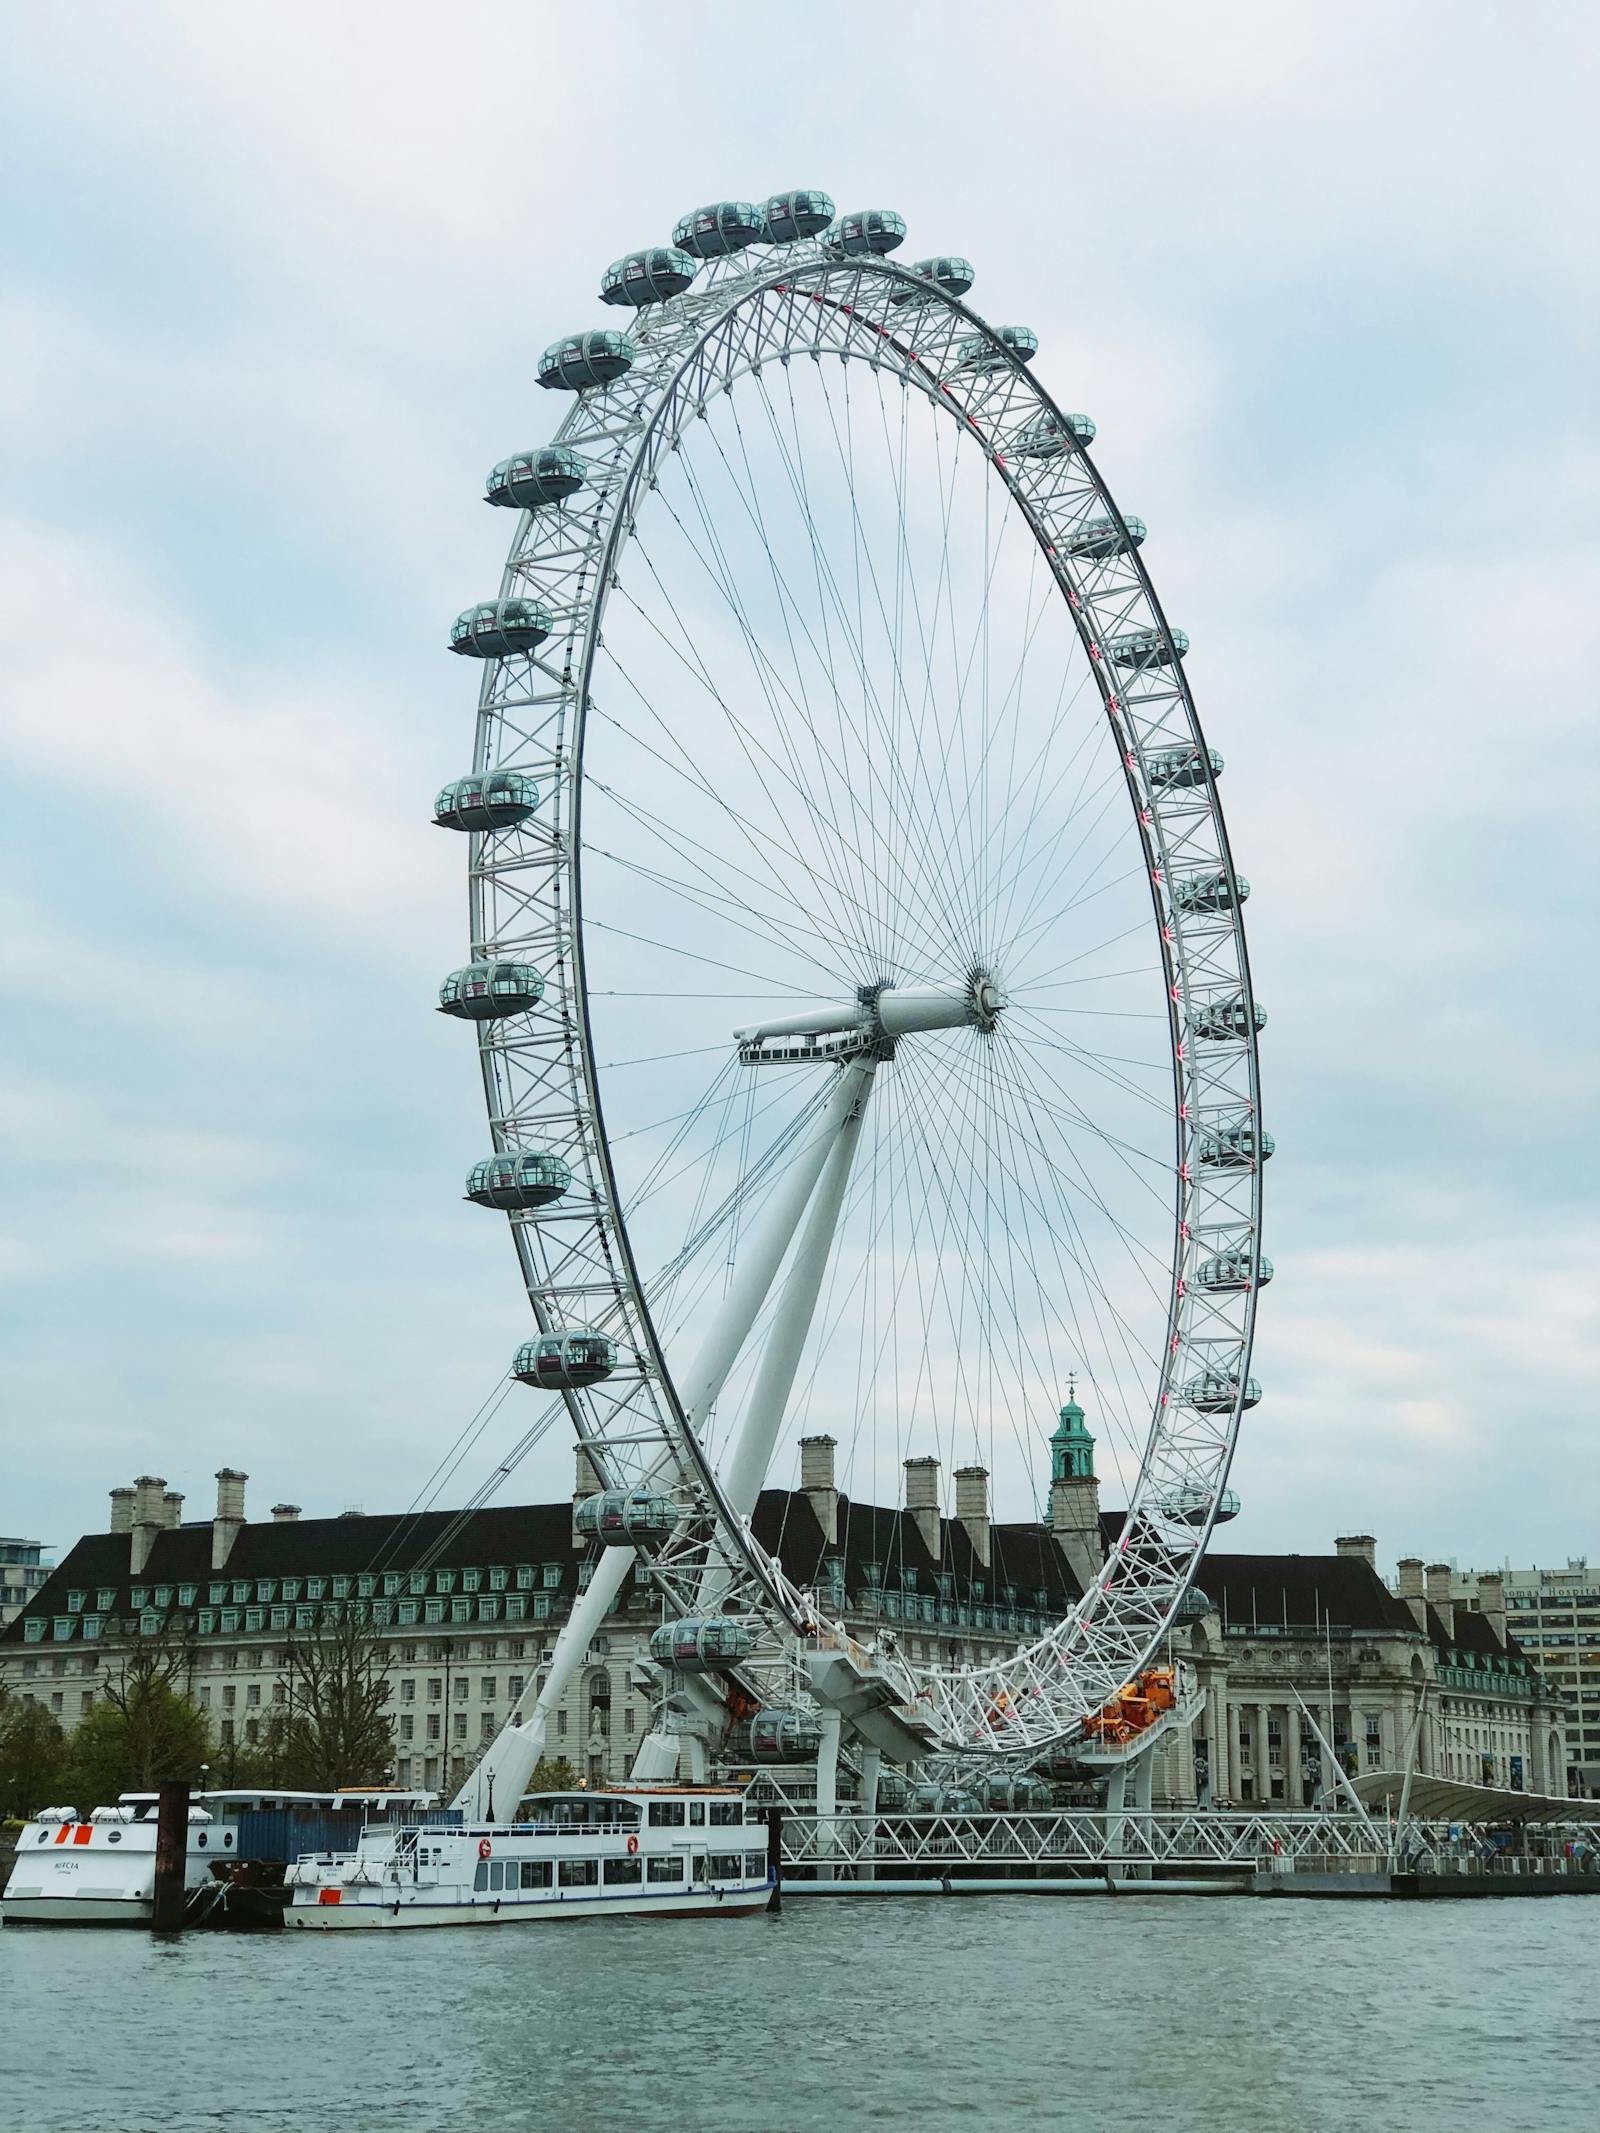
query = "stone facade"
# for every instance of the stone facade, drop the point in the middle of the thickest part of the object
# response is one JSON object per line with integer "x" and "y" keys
{"x": 470, "y": 1605}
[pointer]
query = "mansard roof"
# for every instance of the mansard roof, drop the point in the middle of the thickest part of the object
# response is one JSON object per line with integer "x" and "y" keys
{"x": 1302, "y": 1592}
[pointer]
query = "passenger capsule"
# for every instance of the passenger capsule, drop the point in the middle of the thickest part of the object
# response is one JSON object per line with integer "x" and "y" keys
{"x": 1214, "y": 1392}
{"x": 1214, "y": 890}
{"x": 1190, "y": 1503}
{"x": 625, "y": 1518}
{"x": 935, "y": 1799}
{"x": 700, "y": 1643}
{"x": 713, "y": 232}
{"x": 1101, "y": 538}
{"x": 894, "y": 1792}
{"x": 1234, "y": 1147}
{"x": 487, "y": 992}
{"x": 948, "y": 272}
{"x": 518, "y": 1178}
{"x": 785, "y": 1737}
{"x": 978, "y": 352}
{"x": 1167, "y": 769}
{"x": 494, "y": 800}
{"x": 585, "y": 359}
{"x": 1228, "y": 1015}
{"x": 875, "y": 229}
{"x": 1193, "y": 1607}
{"x": 787, "y": 217}
{"x": 651, "y": 277}
{"x": 1002, "y": 1792}
{"x": 1148, "y": 648}
{"x": 527, "y": 481}
{"x": 1225, "y": 1271}
{"x": 559, "y": 1361}
{"x": 498, "y": 628}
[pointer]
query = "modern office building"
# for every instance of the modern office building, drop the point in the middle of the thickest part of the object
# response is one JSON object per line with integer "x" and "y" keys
{"x": 1554, "y": 1615}
{"x": 22, "y": 1571}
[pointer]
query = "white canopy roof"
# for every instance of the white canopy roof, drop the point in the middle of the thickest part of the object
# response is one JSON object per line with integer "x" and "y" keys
{"x": 1436, "y": 1799}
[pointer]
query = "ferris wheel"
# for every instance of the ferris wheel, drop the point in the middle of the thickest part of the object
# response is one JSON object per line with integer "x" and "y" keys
{"x": 857, "y": 963}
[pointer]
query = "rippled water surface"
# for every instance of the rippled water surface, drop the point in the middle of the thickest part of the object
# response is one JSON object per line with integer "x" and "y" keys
{"x": 1173, "y": 2013}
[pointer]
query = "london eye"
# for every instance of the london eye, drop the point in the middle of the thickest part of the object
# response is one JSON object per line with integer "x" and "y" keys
{"x": 857, "y": 965}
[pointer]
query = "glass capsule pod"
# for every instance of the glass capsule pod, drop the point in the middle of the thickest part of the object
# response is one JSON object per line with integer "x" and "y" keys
{"x": 1101, "y": 538}
{"x": 527, "y": 481}
{"x": 585, "y": 359}
{"x": 1224, "y": 1271}
{"x": 948, "y": 272}
{"x": 1051, "y": 435}
{"x": 935, "y": 1799}
{"x": 1234, "y": 1147}
{"x": 1214, "y": 890}
{"x": 978, "y": 352}
{"x": 1171, "y": 768}
{"x": 563, "y": 1360}
{"x": 1193, "y": 1607}
{"x": 1214, "y": 1392}
{"x": 493, "y": 800}
{"x": 648, "y": 277}
{"x": 700, "y": 1643}
{"x": 486, "y": 992}
{"x": 874, "y": 229}
{"x": 713, "y": 232}
{"x": 625, "y": 1518}
{"x": 787, "y": 217}
{"x": 1188, "y": 1502}
{"x": 1148, "y": 648}
{"x": 785, "y": 1737}
{"x": 495, "y": 629}
{"x": 518, "y": 1178}
{"x": 1003, "y": 1793}
{"x": 1227, "y": 1016}
{"x": 894, "y": 1792}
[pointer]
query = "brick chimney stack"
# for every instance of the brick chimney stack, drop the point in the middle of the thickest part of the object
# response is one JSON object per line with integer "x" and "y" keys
{"x": 817, "y": 1484}
{"x": 149, "y": 1499}
{"x": 285, "y": 1514}
{"x": 122, "y": 1510}
{"x": 922, "y": 1501}
{"x": 1364, "y": 1545}
{"x": 172, "y": 1509}
{"x": 229, "y": 1519}
{"x": 1438, "y": 1588}
{"x": 972, "y": 1508}
{"x": 1412, "y": 1589}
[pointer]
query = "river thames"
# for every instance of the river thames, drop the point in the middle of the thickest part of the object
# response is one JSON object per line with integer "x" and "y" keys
{"x": 1227, "y": 2014}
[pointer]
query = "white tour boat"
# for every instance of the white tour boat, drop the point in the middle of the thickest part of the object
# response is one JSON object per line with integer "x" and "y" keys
{"x": 100, "y": 1870}
{"x": 637, "y": 1851}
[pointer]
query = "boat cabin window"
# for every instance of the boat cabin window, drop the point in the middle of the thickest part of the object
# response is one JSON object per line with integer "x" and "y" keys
{"x": 669, "y": 1869}
{"x": 697, "y": 1811}
{"x": 755, "y": 1866}
{"x": 584, "y": 1810}
{"x": 578, "y": 1873}
{"x": 725, "y": 1811}
{"x": 726, "y": 1866}
{"x": 666, "y": 1814}
{"x": 624, "y": 1873}
{"x": 536, "y": 1873}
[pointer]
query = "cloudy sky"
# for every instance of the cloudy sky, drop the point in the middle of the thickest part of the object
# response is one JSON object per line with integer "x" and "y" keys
{"x": 1324, "y": 277}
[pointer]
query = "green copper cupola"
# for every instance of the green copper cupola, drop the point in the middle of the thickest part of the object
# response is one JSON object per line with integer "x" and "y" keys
{"x": 1072, "y": 1447}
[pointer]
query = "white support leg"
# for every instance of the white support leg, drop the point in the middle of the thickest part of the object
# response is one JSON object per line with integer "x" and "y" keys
{"x": 769, "y": 1397}
{"x": 827, "y": 1792}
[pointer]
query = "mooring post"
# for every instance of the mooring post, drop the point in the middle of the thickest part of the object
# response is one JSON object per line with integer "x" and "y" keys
{"x": 172, "y": 1855}
{"x": 775, "y": 1856}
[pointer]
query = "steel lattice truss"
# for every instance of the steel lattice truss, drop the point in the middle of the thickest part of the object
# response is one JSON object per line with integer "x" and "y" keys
{"x": 749, "y": 317}
{"x": 935, "y": 1843}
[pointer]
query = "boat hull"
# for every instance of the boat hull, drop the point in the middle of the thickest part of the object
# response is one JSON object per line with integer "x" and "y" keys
{"x": 77, "y": 1910}
{"x": 359, "y": 1917}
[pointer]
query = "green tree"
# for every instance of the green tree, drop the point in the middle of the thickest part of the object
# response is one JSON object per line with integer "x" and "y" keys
{"x": 136, "y": 1746}
{"x": 33, "y": 1756}
{"x": 335, "y": 1716}
{"x": 553, "y": 1773}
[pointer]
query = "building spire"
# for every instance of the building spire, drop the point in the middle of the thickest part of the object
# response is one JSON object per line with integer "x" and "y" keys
{"x": 1071, "y": 1447}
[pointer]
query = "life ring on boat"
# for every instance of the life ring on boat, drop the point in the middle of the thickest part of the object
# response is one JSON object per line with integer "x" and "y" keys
{"x": 633, "y": 1846}
{"x": 484, "y": 1847}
